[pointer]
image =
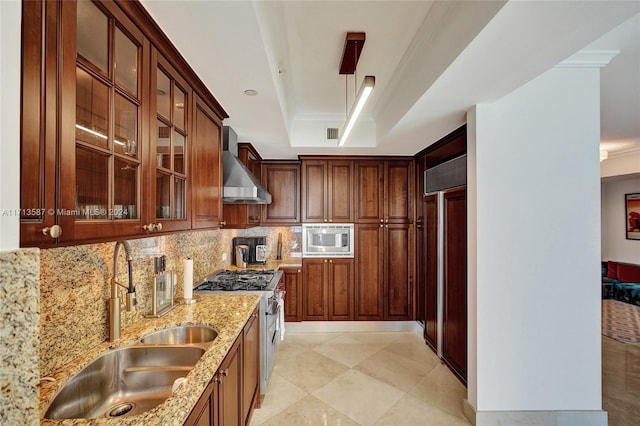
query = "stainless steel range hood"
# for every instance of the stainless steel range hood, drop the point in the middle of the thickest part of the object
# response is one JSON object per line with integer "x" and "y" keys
{"x": 240, "y": 186}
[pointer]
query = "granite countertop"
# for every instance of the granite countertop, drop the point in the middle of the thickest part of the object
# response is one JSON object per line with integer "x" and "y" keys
{"x": 227, "y": 312}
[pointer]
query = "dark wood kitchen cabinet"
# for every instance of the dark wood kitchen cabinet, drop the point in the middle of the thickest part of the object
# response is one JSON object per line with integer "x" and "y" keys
{"x": 454, "y": 321}
{"x": 102, "y": 156}
{"x": 420, "y": 267}
{"x": 82, "y": 155}
{"x": 328, "y": 289}
{"x": 282, "y": 179}
{"x": 327, "y": 190}
{"x": 233, "y": 392}
{"x": 206, "y": 167}
{"x": 238, "y": 216}
{"x": 384, "y": 191}
{"x": 369, "y": 242}
{"x": 250, "y": 366}
{"x": 171, "y": 143}
{"x": 292, "y": 278}
{"x": 383, "y": 275}
{"x": 430, "y": 277}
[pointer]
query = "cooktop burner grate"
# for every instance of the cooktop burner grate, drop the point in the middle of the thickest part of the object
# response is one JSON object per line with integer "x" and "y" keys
{"x": 237, "y": 280}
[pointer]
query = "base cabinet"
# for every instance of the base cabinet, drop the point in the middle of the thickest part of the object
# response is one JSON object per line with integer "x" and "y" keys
{"x": 383, "y": 276}
{"x": 293, "y": 297}
{"x": 328, "y": 289}
{"x": 233, "y": 392}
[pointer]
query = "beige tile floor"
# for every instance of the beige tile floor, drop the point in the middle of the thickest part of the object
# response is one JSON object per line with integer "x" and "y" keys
{"x": 621, "y": 382}
{"x": 360, "y": 379}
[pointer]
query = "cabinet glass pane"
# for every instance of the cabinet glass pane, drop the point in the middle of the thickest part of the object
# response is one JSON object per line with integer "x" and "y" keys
{"x": 125, "y": 190}
{"x": 163, "y": 146}
{"x": 126, "y": 62}
{"x": 179, "y": 205}
{"x": 163, "y": 95}
{"x": 92, "y": 34}
{"x": 178, "y": 107}
{"x": 126, "y": 127}
{"x": 163, "y": 196}
{"x": 178, "y": 153}
{"x": 92, "y": 103}
{"x": 92, "y": 184}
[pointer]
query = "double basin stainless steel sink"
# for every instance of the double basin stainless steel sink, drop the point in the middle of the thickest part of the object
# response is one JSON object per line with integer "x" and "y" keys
{"x": 134, "y": 379}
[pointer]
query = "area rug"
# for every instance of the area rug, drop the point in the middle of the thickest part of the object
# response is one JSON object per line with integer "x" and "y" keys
{"x": 621, "y": 321}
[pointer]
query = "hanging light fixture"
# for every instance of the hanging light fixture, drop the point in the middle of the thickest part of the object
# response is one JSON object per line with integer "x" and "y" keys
{"x": 352, "y": 48}
{"x": 356, "y": 109}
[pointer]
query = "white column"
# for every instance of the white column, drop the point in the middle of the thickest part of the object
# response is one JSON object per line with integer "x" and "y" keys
{"x": 534, "y": 254}
{"x": 10, "y": 36}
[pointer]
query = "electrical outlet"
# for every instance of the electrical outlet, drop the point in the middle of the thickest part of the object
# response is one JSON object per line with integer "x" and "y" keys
{"x": 224, "y": 257}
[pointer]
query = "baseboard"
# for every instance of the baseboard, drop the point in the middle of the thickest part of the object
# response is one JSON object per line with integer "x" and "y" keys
{"x": 534, "y": 418}
{"x": 350, "y": 326}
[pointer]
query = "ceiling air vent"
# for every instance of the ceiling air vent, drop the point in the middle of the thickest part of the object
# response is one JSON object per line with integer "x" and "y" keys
{"x": 332, "y": 133}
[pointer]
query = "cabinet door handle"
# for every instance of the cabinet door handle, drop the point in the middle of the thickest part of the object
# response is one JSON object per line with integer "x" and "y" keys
{"x": 54, "y": 232}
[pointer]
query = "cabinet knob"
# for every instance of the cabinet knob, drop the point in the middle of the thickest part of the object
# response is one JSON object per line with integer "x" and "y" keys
{"x": 330, "y": 220}
{"x": 381, "y": 226}
{"x": 225, "y": 372}
{"x": 217, "y": 379}
{"x": 386, "y": 221}
{"x": 159, "y": 226}
{"x": 54, "y": 232}
{"x": 325, "y": 220}
{"x": 330, "y": 261}
{"x": 299, "y": 271}
{"x": 223, "y": 223}
{"x": 150, "y": 227}
{"x": 381, "y": 220}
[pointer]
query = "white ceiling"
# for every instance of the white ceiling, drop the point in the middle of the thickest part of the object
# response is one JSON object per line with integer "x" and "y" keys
{"x": 432, "y": 61}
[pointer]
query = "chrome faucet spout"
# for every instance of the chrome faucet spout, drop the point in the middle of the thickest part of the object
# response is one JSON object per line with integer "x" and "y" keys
{"x": 115, "y": 303}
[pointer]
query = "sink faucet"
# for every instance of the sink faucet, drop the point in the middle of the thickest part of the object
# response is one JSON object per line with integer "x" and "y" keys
{"x": 115, "y": 303}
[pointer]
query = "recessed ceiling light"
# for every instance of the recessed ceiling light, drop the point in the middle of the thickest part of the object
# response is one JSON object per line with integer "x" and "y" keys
{"x": 251, "y": 92}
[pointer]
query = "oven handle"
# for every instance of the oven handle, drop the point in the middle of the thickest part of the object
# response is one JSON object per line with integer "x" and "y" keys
{"x": 276, "y": 332}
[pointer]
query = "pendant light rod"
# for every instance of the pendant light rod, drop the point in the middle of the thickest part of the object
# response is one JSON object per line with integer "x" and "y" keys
{"x": 363, "y": 94}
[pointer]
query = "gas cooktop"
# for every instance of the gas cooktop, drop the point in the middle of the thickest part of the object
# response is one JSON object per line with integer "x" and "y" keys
{"x": 247, "y": 280}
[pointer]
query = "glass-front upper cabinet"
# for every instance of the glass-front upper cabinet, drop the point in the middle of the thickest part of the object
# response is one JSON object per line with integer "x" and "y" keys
{"x": 107, "y": 118}
{"x": 107, "y": 170}
{"x": 170, "y": 97}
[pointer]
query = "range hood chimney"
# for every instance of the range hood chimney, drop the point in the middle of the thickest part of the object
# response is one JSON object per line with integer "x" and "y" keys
{"x": 240, "y": 186}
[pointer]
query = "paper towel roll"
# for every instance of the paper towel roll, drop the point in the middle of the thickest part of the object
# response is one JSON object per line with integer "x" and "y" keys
{"x": 188, "y": 278}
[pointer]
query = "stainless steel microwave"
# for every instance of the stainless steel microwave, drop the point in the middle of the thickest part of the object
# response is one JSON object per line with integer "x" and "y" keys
{"x": 327, "y": 240}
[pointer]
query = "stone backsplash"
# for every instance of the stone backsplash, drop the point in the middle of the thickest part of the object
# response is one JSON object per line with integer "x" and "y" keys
{"x": 74, "y": 282}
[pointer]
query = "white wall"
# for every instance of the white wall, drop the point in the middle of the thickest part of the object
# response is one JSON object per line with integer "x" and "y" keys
{"x": 534, "y": 180}
{"x": 615, "y": 246}
{"x": 10, "y": 20}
